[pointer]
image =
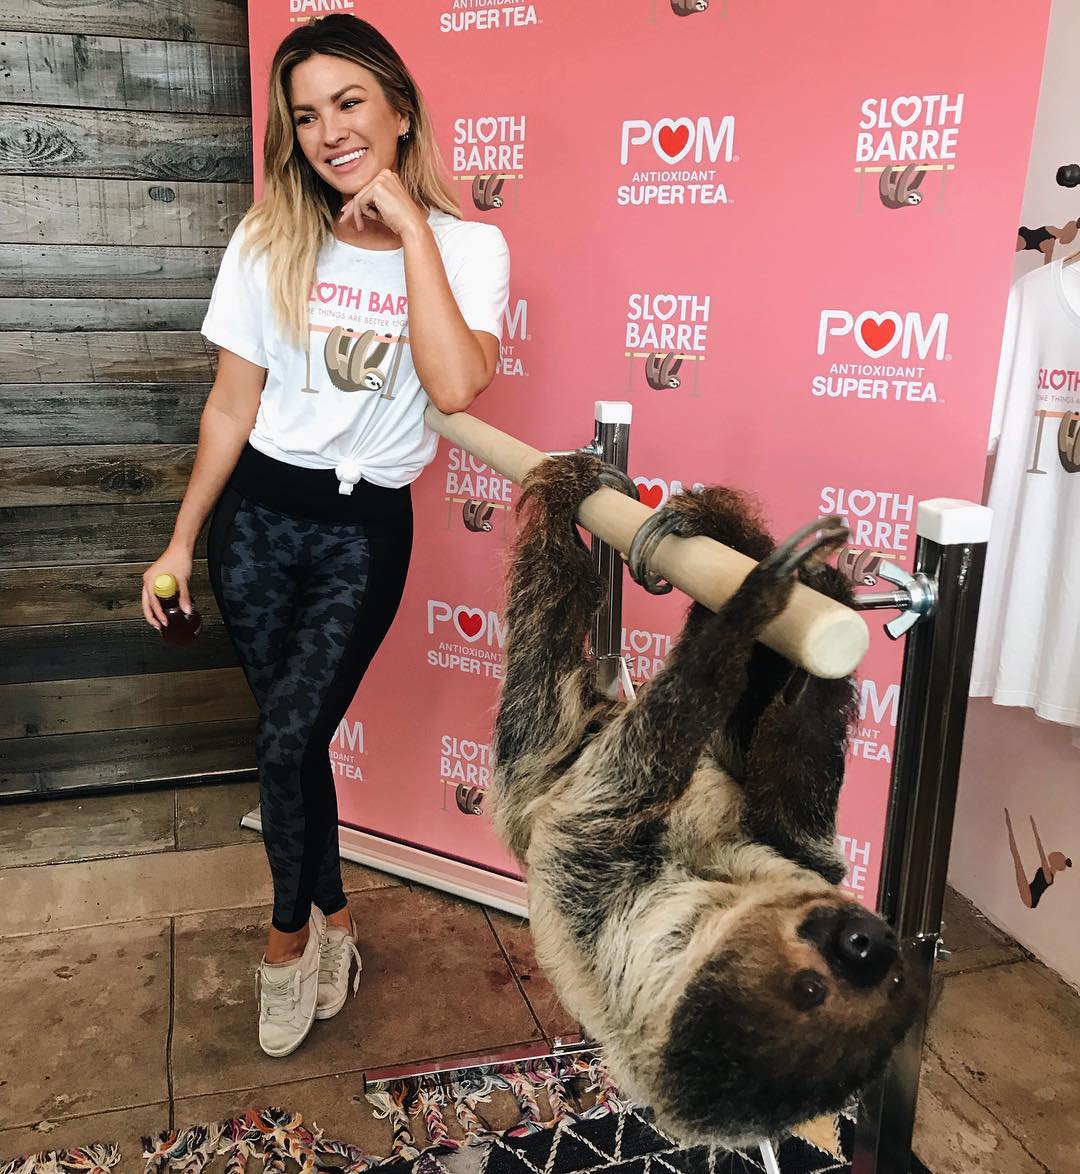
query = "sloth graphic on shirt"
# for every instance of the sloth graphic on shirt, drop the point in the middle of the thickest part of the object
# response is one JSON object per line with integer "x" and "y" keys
{"x": 358, "y": 336}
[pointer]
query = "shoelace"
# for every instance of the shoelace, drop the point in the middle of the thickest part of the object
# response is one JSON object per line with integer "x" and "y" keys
{"x": 278, "y": 996}
{"x": 336, "y": 953}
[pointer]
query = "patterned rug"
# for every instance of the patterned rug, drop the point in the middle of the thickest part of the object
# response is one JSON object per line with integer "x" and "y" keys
{"x": 627, "y": 1143}
{"x": 566, "y": 1118}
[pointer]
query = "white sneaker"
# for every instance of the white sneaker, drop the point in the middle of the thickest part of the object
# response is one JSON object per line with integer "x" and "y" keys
{"x": 339, "y": 950}
{"x": 288, "y": 992}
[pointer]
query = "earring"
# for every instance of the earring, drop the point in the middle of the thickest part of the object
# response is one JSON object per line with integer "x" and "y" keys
{"x": 404, "y": 138}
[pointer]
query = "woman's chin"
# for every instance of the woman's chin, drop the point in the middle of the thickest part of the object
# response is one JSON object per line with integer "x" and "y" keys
{"x": 348, "y": 182}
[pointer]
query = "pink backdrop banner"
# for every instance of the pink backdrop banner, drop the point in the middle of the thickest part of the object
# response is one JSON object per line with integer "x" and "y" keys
{"x": 782, "y": 230}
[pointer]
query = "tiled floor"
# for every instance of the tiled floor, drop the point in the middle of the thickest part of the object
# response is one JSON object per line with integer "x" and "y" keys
{"x": 130, "y": 927}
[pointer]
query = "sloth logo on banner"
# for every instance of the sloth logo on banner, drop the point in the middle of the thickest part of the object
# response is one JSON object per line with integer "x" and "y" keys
{"x": 903, "y": 139}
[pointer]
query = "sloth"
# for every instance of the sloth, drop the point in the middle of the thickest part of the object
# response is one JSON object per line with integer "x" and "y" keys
{"x": 680, "y": 849}
{"x": 901, "y": 190}
{"x": 352, "y": 360}
{"x": 476, "y": 515}
{"x": 689, "y": 7}
{"x": 469, "y": 799}
{"x": 662, "y": 370}
{"x": 1069, "y": 442}
{"x": 860, "y": 566}
{"x": 486, "y": 192}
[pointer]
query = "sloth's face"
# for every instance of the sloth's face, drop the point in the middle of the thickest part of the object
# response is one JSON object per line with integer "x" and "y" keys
{"x": 799, "y": 1005}
{"x": 373, "y": 381}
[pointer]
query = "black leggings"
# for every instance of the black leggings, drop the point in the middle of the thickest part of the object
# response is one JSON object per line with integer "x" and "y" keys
{"x": 307, "y": 604}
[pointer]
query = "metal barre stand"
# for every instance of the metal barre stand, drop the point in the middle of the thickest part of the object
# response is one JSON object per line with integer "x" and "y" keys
{"x": 939, "y": 607}
{"x": 611, "y": 443}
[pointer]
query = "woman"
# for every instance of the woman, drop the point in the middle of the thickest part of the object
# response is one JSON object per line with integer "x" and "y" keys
{"x": 350, "y": 296}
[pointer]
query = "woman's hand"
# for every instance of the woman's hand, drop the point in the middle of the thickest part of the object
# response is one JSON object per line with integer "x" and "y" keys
{"x": 175, "y": 561}
{"x": 385, "y": 199}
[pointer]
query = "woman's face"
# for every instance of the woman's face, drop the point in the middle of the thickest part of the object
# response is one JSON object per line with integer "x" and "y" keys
{"x": 346, "y": 128}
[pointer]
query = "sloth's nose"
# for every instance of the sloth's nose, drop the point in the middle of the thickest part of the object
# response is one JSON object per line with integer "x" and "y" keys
{"x": 857, "y": 945}
{"x": 863, "y": 948}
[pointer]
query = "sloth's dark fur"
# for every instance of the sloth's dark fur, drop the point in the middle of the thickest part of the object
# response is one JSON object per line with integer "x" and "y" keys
{"x": 680, "y": 850}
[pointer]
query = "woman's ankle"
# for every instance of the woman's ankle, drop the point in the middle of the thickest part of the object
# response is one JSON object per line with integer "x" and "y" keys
{"x": 342, "y": 919}
{"x": 286, "y": 947}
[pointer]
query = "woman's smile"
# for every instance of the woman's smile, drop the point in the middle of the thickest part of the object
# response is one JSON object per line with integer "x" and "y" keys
{"x": 348, "y": 161}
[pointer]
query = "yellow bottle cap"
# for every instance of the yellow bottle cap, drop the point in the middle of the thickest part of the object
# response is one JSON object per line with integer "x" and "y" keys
{"x": 164, "y": 586}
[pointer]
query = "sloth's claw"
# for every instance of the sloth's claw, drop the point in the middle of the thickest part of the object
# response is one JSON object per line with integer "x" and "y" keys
{"x": 826, "y": 534}
{"x": 616, "y": 479}
{"x": 650, "y": 534}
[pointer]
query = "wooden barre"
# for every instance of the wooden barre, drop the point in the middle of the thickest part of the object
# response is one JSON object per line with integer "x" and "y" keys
{"x": 823, "y": 636}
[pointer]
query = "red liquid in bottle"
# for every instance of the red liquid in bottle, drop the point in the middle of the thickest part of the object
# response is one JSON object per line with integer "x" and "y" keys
{"x": 181, "y": 629}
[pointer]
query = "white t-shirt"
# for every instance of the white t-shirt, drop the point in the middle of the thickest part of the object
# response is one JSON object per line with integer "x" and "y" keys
{"x": 1027, "y": 649}
{"x": 351, "y": 400}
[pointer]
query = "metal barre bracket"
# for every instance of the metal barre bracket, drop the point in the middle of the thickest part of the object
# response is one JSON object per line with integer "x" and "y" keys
{"x": 916, "y": 599}
{"x": 592, "y": 449}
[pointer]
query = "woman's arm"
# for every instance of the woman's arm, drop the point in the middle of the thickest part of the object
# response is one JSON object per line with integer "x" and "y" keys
{"x": 226, "y": 422}
{"x": 453, "y": 363}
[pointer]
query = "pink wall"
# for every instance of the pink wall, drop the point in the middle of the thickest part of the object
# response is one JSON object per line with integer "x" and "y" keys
{"x": 697, "y": 184}
{"x": 1011, "y": 759}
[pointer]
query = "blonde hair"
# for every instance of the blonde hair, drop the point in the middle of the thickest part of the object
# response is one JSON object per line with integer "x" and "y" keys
{"x": 295, "y": 216}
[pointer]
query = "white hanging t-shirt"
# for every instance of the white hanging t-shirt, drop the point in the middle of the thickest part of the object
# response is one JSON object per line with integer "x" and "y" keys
{"x": 351, "y": 400}
{"x": 1027, "y": 648}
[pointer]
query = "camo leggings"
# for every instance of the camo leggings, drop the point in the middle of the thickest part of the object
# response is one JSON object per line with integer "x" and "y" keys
{"x": 306, "y": 604}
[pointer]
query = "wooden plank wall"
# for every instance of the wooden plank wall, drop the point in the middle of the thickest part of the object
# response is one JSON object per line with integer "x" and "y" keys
{"x": 125, "y": 148}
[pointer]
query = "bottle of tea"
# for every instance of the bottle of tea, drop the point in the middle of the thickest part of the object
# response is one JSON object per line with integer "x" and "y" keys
{"x": 181, "y": 629}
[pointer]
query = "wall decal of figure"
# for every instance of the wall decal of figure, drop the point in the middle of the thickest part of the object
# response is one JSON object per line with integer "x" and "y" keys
{"x": 1031, "y": 891}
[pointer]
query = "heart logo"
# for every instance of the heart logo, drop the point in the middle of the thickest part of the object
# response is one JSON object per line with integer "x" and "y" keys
{"x": 662, "y": 300}
{"x": 877, "y": 332}
{"x": 330, "y": 291}
{"x": 652, "y": 493}
{"x": 861, "y": 495}
{"x": 672, "y": 138}
{"x": 492, "y": 125}
{"x": 1058, "y": 378}
{"x": 469, "y": 621}
{"x": 468, "y": 750}
{"x": 915, "y": 105}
